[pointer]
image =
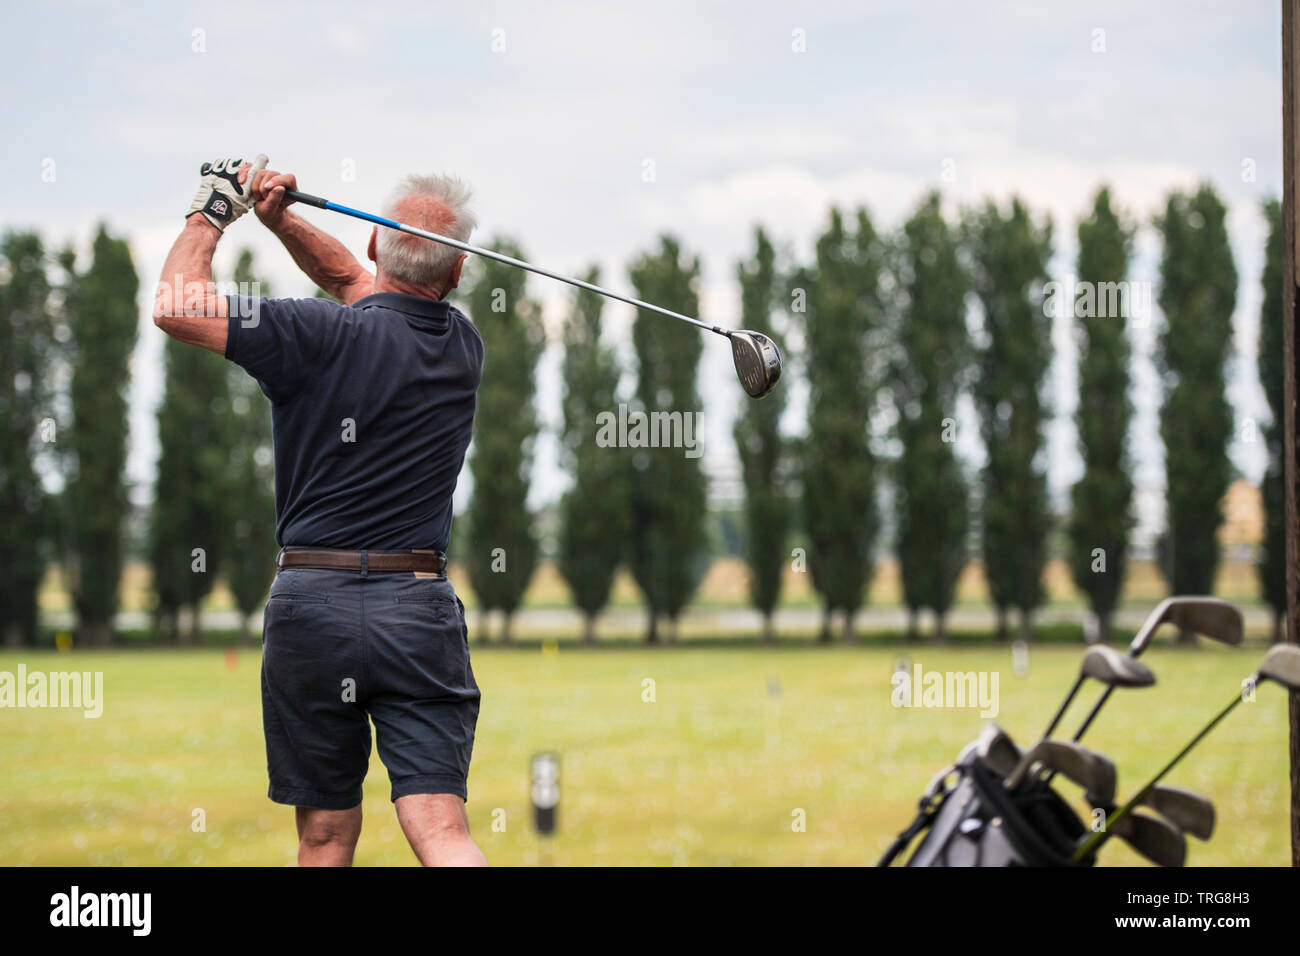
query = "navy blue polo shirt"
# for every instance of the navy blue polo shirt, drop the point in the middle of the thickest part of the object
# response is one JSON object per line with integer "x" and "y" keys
{"x": 372, "y": 407}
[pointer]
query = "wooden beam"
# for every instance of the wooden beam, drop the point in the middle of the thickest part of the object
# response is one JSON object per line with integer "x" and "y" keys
{"x": 1290, "y": 157}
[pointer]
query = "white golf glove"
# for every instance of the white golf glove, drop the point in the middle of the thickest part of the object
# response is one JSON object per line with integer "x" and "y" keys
{"x": 222, "y": 198}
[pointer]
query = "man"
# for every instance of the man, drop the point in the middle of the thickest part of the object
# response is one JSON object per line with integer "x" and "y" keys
{"x": 373, "y": 405}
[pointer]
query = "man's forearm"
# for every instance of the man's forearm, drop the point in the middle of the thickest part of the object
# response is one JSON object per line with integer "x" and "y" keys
{"x": 324, "y": 259}
{"x": 190, "y": 256}
{"x": 186, "y": 305}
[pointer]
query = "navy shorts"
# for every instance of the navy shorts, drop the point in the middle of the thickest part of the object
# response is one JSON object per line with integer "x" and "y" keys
{"x": 340, "y": 650}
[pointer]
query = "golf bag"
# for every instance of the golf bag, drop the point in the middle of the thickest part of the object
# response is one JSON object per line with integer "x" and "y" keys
{"x": 973, "y": 820}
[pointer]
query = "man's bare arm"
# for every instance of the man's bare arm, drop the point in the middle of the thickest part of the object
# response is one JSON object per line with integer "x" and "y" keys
{"x": 324, "y": 259}
{"x": 186, "y": 305}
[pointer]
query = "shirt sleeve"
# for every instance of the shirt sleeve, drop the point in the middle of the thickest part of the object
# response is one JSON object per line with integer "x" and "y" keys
{"x": 282, "y": 342}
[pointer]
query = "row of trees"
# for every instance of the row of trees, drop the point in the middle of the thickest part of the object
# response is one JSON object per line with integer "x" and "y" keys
{"x": 890, "y": 331}
{"x": 898, "y": 328}
{"x": 65, "y": 358}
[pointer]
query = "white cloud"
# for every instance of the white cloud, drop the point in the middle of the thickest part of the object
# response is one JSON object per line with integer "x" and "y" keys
{"x": 348, "y": 40}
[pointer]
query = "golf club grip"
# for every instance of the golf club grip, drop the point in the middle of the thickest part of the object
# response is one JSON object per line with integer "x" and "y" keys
{"x": 307, "y": 198}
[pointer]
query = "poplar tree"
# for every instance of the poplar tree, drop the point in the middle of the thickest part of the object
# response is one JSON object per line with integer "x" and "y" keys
{"x": 189, "y": 534}
{"x": 27, "y": 353}
{"x": 842, "y": 319}
{"x": 762, "y": 450}
{"x": 1101, "y": 511}
{"x": 594, "y": 514}
{"x": 250, "y": 547}
{"x": 933, "y": 356}
{"x": 1198, "y": 293}
{"x": 668, "y": 490}
{"x": 1009, "y": 255}
{"x": 503, "y": 547}
{"x": 103, "y": 318}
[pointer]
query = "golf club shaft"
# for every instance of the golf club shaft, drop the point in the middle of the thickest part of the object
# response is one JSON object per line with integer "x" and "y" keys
{"x": 1092, "y": 714}
{"x": 320, "y": 203}
{"x": 1060, "y": 713}
{"x": 1099, "y": 837}
{"x": 1065, "y": 705}
{"x": 1134, "y": 651}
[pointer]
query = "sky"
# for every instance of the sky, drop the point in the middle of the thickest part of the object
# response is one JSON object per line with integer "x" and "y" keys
{"x": 750, "y": 113}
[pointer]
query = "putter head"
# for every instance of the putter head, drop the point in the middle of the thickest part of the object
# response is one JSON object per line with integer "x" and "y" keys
{"x": 1281, "y": 664}
{"x": 1158, "y": 840}
{"x": 1115, "y": 669}
{"x": 1190, "y": 812}
{"x": 758, "y": 361}
{"x": 1206, "y": 616}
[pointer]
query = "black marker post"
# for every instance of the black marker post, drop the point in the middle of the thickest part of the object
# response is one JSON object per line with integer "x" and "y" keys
{"x": 544, "y": 775}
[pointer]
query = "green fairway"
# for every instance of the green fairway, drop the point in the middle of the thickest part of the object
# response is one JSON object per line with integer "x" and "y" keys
{"x": 737, "y": 741}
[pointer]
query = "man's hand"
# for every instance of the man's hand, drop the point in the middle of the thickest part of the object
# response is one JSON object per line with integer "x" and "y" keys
{"x": 268, "y": 191}
{"x": 226, "y": 190}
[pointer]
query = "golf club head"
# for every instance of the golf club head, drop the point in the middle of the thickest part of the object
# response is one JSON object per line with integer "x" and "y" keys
{"x": 1281, "y": 664}
{"x": 1190, "y": 812}
{"x": 1206, "y": 616}
{"x": 1090, "y": 770}
{"x": 758, "y": 362}
{"x": 1109, "y": 666}
{"x": 1158, "y": 840}
{"x": 997, "y": 750}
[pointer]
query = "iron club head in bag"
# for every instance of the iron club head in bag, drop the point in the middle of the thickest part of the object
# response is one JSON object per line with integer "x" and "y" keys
{"x": 1206, "y": 616}
{"x": 1090, "y": 770}
{"x": 1110, "y": 667}
{"x": 1159, "y": 840}
{"x": 1188, "y": 811}
{"x": 995, "y": 748}
{"x": 1281, "y": 665}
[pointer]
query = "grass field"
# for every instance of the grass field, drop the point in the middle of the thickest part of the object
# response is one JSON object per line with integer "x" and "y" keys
{"x": 737, "y": 740}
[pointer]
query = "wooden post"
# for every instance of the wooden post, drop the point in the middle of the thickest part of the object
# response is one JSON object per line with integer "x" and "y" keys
{"x": 1291, "y": 249}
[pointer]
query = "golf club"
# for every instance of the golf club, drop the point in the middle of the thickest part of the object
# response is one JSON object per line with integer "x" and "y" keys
{"x": 1188, "y": 811}
{"x": 1109, "y": 666}
{"x": 1159, "y": 840}
{"x": 996, "y": 749}
{"x": 1089, "y": 770}
{"x": 1206, "y": 616}
{"x": 756, "y": 357}
{"x": 1281, "y": 664}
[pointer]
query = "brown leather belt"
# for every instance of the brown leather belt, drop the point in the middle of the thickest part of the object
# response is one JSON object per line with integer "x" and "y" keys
{"x": 429, "y": 562}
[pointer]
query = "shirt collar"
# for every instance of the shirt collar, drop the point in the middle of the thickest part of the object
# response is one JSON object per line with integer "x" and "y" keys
{"x": 415, "y": 305}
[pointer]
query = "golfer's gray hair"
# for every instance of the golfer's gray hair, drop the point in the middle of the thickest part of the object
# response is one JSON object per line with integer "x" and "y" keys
{"x": 420, "y": 261}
